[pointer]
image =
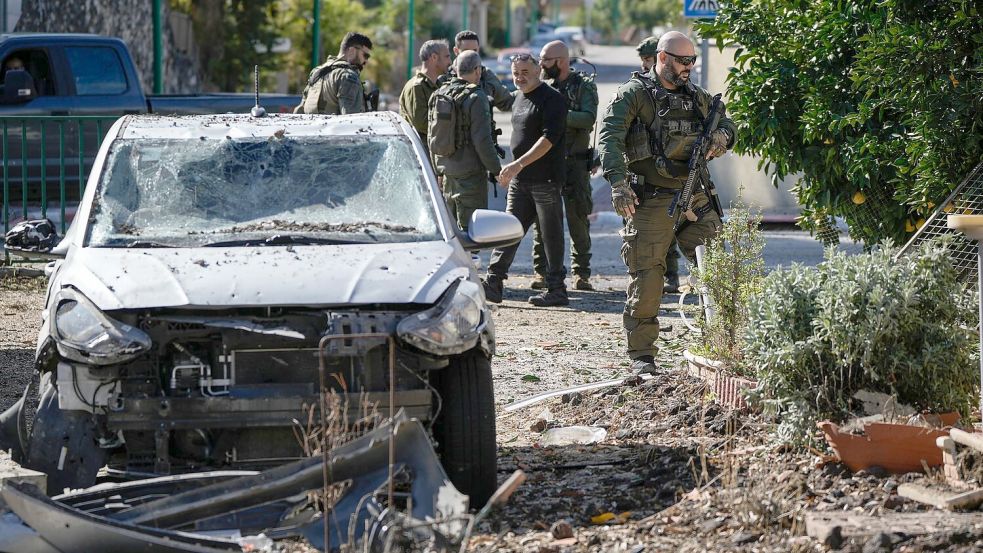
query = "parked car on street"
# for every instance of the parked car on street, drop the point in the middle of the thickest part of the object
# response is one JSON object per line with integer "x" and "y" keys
{"x": 221, "y": 266}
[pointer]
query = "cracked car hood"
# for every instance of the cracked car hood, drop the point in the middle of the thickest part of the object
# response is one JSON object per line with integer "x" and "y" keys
{"x": 317, "y": 275}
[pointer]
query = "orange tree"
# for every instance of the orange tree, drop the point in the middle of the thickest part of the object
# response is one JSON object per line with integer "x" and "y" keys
{"x": 878, "y": 104}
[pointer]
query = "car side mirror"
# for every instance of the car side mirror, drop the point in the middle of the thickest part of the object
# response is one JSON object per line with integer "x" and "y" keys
{"x": 18, "y": 87}
{"x": 491, "y": 229}
{"x": 36, "y": 238}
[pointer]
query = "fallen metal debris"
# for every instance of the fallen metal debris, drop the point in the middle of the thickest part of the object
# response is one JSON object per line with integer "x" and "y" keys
{"x": 522, "y": 403}
{"x": 155, "y": 515}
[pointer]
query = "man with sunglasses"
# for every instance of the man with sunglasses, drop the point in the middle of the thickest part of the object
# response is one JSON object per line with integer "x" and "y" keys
{"x": 335, "y": 87}
{"x": 649, "y": 129}
{"x": 534, "y": 180}
{"x": 648, "y": 50}
{"x": 580, "y": 93}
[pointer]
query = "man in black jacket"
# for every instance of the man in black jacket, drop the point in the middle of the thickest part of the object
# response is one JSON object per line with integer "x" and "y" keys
{"x": 534, "y": 180}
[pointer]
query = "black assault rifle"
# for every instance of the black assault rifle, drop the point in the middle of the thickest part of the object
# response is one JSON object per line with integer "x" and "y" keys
{"x": 697, "y": 165}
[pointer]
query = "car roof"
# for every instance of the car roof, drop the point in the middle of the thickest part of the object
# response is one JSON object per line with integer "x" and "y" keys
{"x": 217, "y": 127}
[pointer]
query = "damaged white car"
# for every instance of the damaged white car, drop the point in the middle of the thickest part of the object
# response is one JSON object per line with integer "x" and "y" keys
{"x": 212, "y": 264}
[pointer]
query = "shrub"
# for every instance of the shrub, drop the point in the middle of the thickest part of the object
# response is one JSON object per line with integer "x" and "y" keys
{"x": 818, "y": 335}
{"x": 732, "y": 272}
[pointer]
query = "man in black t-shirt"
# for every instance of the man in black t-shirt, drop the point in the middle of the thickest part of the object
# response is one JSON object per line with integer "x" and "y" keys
{"x": 534, "y": 180}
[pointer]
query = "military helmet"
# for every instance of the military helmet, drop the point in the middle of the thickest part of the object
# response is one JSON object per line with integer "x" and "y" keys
{"x": 648, "y": 47}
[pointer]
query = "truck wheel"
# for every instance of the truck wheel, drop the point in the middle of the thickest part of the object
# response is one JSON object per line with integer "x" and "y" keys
{"x": 465, "y": 426}
{"x": 55, "y": 431}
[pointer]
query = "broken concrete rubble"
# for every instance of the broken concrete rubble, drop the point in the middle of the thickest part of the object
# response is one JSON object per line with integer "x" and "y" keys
{"x": 85, "y": 522}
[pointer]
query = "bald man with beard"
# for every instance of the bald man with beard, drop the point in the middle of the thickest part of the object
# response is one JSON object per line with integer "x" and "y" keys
{"x": 647, "y": 134}
{"x": 580, "y": 93}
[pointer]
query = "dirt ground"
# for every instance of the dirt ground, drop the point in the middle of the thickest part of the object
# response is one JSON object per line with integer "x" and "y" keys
{"x": 675, "y": 471}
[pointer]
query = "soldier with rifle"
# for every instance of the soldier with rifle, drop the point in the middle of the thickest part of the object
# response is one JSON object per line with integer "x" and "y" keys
{"x": 657, "y": 135}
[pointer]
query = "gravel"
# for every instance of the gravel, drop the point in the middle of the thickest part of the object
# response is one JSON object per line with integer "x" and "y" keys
{"x": 675, "y": 472}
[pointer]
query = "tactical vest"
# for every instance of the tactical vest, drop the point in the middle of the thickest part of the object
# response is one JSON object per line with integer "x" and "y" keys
{"x": 312, "y": 93}
{"x": 669, "y": 137}
{"x": 448, "y": 127}
{"x": 570, "y": 90}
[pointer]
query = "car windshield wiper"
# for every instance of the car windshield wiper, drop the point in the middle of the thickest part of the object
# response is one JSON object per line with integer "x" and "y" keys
{"x": 279, "y": 240}
{"x": 139, "y": 244}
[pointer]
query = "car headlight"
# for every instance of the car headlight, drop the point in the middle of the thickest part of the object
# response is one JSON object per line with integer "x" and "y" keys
{"x": 450, "y": 327}
{"x": 84, "y": 333}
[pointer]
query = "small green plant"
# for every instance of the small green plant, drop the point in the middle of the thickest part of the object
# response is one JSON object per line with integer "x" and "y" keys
{"x": 732, "y": 273}
{"x": 905, "y": 327}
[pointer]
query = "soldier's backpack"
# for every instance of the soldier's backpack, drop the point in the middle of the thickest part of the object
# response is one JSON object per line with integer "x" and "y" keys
{"x": 312, "y": 92}
{"x": 447, "y": 127}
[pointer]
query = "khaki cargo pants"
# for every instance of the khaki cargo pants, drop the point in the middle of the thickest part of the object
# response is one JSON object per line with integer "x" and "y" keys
{"x": 464, "y": 195}
{"x": 647, "y": 237}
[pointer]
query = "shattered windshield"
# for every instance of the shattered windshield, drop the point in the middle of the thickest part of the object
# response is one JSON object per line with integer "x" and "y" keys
{"x": 258, "y": 191}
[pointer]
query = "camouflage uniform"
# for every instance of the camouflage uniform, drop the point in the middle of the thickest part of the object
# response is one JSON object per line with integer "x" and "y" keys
{"x": 333, "y": 88}
{"x": 413, "y": 101}
{"x": 465, "y": 172}
{"x": 657, "y": 152}
{"x": 581, "y": 95}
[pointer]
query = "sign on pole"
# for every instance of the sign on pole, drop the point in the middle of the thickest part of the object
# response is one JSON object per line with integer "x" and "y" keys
{"x": 700, "y": 8}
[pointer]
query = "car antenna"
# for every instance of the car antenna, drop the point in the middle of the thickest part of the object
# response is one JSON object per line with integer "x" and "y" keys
{"x": 258, "y": 110}
{"x": 582, "y": 60}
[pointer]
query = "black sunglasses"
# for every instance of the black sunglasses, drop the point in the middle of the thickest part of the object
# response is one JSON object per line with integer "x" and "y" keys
{"x": 683, "y": 60}
{"x": 523, "y": 57}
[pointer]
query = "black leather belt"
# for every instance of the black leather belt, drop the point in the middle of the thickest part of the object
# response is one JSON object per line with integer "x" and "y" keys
{"x": 652, "y": 191}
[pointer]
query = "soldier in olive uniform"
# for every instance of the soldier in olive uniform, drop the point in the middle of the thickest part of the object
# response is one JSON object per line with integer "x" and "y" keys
{"x": 649, "y": 129}
{"x": 498, "y": 95}
{"x": 334, "y": 87}
{"x": 647, "y": 50}
{"x": 580, "y": 93}
{"x": 415, "y": 97}
{"x": 461, "y": 140}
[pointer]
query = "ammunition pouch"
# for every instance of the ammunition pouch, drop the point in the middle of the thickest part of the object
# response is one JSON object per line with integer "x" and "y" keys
{"x": 638, "y": 142}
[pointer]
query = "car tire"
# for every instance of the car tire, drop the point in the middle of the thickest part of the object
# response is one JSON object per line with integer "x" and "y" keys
{"x": 55, "y": 431}
{"x": 465, "y": 426}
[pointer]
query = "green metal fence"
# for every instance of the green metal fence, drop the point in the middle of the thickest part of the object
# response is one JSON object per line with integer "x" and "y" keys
{"x": 46, "y": 161}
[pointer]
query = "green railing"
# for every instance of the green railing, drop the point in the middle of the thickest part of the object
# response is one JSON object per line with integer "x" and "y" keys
{"x": 46, "y": 160}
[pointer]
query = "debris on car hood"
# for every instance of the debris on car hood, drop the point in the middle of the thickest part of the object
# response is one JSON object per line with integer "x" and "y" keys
{"x": 173, "y": 514}
{"x": 119, "y": 278}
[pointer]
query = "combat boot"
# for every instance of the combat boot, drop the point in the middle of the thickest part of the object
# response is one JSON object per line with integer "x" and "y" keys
{"x": 538, "y": 283}
{"x": 493, "y": 288}
{"x": 583, "y": 283}
{"x": 644, "y": 365}
{"x": 672, "y": 284}
{"x": 551, "y": 298}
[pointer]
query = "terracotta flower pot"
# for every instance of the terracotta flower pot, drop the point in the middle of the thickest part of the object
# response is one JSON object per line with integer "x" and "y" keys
{"x": 897, "y": 448}
{"x": 728, "y": 390}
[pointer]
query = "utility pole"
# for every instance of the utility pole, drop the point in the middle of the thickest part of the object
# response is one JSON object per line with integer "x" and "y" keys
{"x": 508, "y": 23}
{"x": 464, "y": 14}
{"x": 409, "y": 41}
{"x": 533, "y": 18}
{"x": 158, "y": 46}
{"x": 316, "y": 31}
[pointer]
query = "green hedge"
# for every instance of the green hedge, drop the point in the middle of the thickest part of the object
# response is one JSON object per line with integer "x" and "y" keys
{"x": 817, "y": 335}
{"x": 880, "y": 97}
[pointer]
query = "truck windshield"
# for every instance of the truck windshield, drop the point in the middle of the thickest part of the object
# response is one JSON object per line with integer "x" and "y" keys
{"x": 256, "y": 191}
